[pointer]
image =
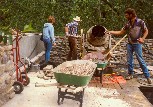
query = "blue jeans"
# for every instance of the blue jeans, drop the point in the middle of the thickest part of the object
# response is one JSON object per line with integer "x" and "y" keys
{"x": 137, "y": 48}
{"x": 48, "y": 47}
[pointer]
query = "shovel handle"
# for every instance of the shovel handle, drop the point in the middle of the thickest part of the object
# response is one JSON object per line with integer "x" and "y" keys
{"x": 115, "y": 45}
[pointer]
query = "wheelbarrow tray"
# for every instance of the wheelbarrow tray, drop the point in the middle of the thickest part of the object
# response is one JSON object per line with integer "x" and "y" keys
{"x": 69, "y": 79}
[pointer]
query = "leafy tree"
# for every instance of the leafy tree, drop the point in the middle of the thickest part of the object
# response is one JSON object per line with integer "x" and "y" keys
{"x": 108, "y": 13}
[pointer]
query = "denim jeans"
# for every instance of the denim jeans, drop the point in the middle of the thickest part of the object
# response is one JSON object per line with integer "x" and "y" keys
{"x": 137, "y": 48}
{"x": 48, "y": 47}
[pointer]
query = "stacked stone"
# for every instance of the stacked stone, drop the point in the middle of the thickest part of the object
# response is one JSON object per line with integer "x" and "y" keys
{"x": 7, "y": 76}
{"x": 147, "y": 56}
{"x": 119, "y": 52}
{"x": 46, "y": 73}
{"x": 59, "y": 52}
{"x": 122, "y": 52}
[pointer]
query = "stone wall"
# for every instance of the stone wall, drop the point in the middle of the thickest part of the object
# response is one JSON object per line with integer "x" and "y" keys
{"x": 120, "y": 53}
{"x": 60, "y": 52}
{"x": 7, "y": 76}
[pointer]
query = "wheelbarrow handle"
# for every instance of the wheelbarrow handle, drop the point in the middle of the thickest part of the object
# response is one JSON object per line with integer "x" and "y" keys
{"x": 45, "y": 85}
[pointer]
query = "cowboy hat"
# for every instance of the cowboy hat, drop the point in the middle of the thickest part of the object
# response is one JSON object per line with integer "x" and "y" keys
{"x": 77, "y": 18}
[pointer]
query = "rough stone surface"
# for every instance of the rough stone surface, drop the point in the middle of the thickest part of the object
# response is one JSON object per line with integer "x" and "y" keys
{"x": 6, "y": 74}
{"x": 59, "y": 53}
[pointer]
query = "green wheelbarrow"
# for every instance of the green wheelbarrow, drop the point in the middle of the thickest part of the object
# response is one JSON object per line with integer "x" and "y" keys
{"x": 69, "y": 79}
{"x": 73, "y": 78}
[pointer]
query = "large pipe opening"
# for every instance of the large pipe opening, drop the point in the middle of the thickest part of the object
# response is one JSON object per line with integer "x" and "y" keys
{"x": 98, "y": 31}
{"x": 97, "y": 36}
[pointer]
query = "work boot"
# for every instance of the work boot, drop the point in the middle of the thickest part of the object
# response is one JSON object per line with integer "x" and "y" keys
{"x": 129, "y": 77}
{"x": 149, "y": 81}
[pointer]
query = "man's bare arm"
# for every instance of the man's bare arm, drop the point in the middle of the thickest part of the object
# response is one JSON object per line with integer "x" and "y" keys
{"x": 141, "y": 40}
{"x": 121, "y": 32}
{"x": 145, "y": 34}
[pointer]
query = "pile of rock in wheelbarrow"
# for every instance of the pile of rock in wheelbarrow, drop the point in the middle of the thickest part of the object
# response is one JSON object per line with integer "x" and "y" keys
{"x": 76, "y": 67}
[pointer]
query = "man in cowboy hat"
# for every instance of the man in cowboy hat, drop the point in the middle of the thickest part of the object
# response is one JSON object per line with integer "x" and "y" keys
{"x": 71, "y": 30}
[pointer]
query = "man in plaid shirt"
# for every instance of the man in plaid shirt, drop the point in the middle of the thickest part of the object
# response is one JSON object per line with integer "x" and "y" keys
{"x": 71, "y": 30}
{"x": 137, "y": 32}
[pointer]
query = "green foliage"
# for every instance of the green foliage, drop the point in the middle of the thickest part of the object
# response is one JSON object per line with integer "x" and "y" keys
{"x": 29, "y": 28}
{"x": 109, "y": 13}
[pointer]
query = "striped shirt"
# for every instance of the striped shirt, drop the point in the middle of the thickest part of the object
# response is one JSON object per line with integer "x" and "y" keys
{"x": 72, "y": 28}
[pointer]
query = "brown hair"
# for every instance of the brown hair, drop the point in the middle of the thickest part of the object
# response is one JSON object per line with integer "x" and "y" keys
{"x": 130, "y": 11}
{"x": 51, "y": 19}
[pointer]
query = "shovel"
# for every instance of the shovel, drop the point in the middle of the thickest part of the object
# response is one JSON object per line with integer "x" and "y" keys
{"x": 115, "y": 46}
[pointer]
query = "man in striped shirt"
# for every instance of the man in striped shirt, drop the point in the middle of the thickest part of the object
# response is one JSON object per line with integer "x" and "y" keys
{"x": 71, "y": 30}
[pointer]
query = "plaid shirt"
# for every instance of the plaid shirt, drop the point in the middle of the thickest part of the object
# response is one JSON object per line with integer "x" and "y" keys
{"x": 136, "y": 30}
{"x": 72, "y": 28}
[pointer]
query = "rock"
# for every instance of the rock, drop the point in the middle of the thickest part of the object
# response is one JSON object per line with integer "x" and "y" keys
{"x": 8, "y": 80}
{"x": 9, "y": 66}
{"x": 2, "y": 49}
{"x": 5, "y": 58}
{"x": 40, "y": 75}
{"x": 49, "y": 75}
{"x": 2, "y": 69}
{"x": 46, "y": 78}
{"x": 8, "y": 48}
{"x": 12, "y": 95}
{"x": 1, "y": 103}
{"x": 48, "y": 67}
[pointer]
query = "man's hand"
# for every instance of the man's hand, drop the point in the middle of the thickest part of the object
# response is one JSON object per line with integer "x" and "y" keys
{"x": 54, "y": 44}
{"x": 140, "y": 40}
{"x": 108, "y": 32}
{"x": 66, "y": 34}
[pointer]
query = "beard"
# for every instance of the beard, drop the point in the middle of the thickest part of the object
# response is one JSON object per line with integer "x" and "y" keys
{"x": 129, "y": 19}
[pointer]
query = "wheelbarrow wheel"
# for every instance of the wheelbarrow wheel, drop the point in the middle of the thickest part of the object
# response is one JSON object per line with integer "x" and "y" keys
{"x": 27, "y": 81}
{"x": 18, "y": 87}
